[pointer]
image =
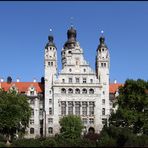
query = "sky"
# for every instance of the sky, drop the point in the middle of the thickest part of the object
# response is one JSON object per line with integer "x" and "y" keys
{"x": 25, "y": 26}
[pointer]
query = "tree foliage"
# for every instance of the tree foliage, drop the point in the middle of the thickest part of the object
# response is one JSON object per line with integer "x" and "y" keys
{"x": 14, "y": 112}
{"x": 71, "y": 126}
{"x": 132, "y": 104}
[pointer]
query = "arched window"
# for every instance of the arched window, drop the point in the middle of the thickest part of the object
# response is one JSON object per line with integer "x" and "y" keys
{"x": 91, "y": 91}
{"x": 31, "y": 130}
{"x": 50, "y": 130}
{"x": 70, "y": 91}
{"x": 84, "y": 91}
{"x": 77, "y": 91}
{"x": 63, "y": 91}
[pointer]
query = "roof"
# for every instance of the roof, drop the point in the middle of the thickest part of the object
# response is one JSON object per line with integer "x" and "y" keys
{"x": 22, "y": 86}
{"x": 113, "y": 87}
{"x": 39, "y": 87}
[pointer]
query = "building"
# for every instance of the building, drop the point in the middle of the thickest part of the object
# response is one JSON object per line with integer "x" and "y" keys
{"x": 77, "y": 89}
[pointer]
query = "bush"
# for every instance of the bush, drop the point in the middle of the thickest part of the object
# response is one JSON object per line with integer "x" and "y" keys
{"x": 2, "y": 144}
{"x": 27, "y": 143}
{"x": 49, "y": 142}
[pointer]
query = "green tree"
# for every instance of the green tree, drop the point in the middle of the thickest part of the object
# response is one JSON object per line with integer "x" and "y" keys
{"x": 71, "y": 127}
{"x": 14, "y": 113}
{"x": 132, "y": 109}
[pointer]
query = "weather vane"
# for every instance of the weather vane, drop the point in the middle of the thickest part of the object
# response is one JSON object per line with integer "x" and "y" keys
{"x": 71, "y": 21}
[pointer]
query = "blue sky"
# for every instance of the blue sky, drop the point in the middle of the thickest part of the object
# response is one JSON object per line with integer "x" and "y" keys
{"x": 24, "y": 30}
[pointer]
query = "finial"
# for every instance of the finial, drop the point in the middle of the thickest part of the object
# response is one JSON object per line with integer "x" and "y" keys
{"x": 102, "y": 33}
{"x": 50, "y": 30}
{"x": 71, "y": 21}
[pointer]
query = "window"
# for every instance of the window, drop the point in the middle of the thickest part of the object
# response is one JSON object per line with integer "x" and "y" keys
{"x": 103, "y": 101}
{"x": 31, "y": 93}
{"x": 77, "y": 91}
{"x": 77, "y": 108}
{"x": 103, "y": 111}
{"x": 63, "y": 80}
{"x": 70, "y": 70}
{"x": 104, "y": 121}
{"x": 91, "y": 80}
{"x": 91, "y": 91}
{"x": 91, "y": 121}
{"x": 50, "y": 48}
{"x": 84, "y": 70}
{"x": 70, "y": 80}
{"x": 31, "y": 130}
{"x": 51, "y": 63}
{"x": 84, "y": 108}
{"x": 32, "y": 112}
{"x": 49, "y": 91}
{"x": 70, "y": 108}
{"x": 50, "y": 111}
{"x": 50, "y": 130}
{"x": 50, "y": 120}
{"x": 32, "y": 102}
{"x": 84, "y": 80}
{"x": 31, "y": 121}
{"x": 48, "y": 63}
{"x": 70, "y": 91}
{"x": 84, "y": 121}
{"x": 101, "y": 64}
{"x": 91, "y": 108}
{"x": 69, "y": 52}
{"x": 77, "y": 80}
{"x": 41, "y": 112}
{"x": 104, "y": 64}
{"x": 50, "y": 101}
{"x": 84, "y": 91}
{"x": 63, "y": 108}
{"x": 103, "y": 92}
{"x": 63, "y": 91}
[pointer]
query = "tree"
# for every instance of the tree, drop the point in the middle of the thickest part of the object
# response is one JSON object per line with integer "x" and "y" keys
{"x": 14, "y": 113}
{"x": 132, "y": 107}
{"x": 71, "y": 126}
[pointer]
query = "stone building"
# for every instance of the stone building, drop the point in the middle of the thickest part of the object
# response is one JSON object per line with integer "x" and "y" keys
{"x": 77, "y": 89}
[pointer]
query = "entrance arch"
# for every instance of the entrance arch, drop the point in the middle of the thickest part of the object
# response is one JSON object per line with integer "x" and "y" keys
{"x": 91, "y": 130}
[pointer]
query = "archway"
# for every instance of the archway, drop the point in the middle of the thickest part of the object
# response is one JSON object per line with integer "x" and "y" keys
{"x": 91, "y": 130}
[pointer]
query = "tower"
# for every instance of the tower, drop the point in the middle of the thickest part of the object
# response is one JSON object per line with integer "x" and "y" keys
{"x": 102, "y": 73}
{"x": 50, "y": 67}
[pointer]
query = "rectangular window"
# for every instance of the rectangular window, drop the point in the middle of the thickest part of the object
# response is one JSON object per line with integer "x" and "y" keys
{"x": 103, "y": 111}
{"x": 48, "y": 63}
{"x": 32, "y": 102}
{"x": 41, "y": 112}
{"x": 84, "y": 121}
{"x": 91, "y": 80}
{"x": 103, "y": 101}
{"x": 70, "y": 108}
{"x": 31, "y": 121}
{"x": 91, "y": 121}
{"x": 84, "y": 80}
{"x": 31, "y": 93}
{"x": 91, "y": 108}
{"x": 50, "y": 120}
{"x": 84, "y": 108}
{"x": 104, "y": 121}
{"x": 77, "y": 108}
{"x": 32, "y": 112}
{"x": 77, "y": 80}
{"x": 50, "y": 111}
{"x": 63, "y": 108}
{"x": 50, "y": 101}
{"x": 101, "y": 64}
{"x": 63, "y": 80}
{"x": 70, "y": 80}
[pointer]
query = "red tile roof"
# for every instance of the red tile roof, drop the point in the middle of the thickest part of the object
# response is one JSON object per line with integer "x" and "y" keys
{"x": 114, "y": 86}
{"x": 22, "y": 86}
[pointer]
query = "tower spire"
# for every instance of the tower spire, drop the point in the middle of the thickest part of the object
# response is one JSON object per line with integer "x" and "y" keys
{"x": 71, "y": 22}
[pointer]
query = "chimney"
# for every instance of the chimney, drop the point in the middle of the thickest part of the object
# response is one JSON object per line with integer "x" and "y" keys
{"x": 115, "y": 81}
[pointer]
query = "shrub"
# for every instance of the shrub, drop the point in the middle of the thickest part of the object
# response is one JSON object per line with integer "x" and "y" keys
{"x": 49, "y": 142}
